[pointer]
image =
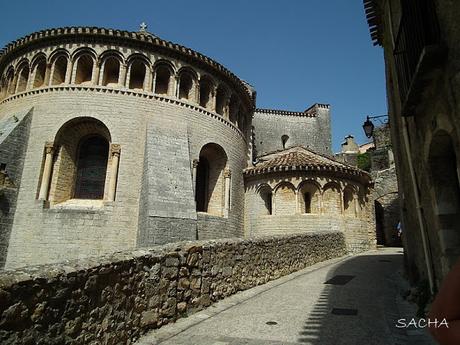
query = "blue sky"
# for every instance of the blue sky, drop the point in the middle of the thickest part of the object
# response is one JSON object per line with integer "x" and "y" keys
{"x": 294, "y": 52}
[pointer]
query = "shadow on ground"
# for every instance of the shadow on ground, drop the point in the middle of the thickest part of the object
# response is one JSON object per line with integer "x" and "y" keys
{"x": 358, "y": 303}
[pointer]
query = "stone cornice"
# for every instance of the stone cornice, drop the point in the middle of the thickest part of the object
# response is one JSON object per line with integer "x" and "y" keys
{"x": 145, "y": 40}
{"x": 128, "y": 92}
{"x": 309, "y": 112}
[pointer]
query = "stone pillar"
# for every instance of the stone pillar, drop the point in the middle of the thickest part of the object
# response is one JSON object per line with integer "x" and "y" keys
{"x": 101, "y": 74}
{"x": 95, "y": 75}
{"x": 297, "y": 202}
{"x": 115, "y": 152}
{"x": 148, "y": 80}
{"x": 46, "y": 82}
{"x": 154, "y": 81}
{"x": 171, "y": 85}
{"x": 68, "y": 72}
{"x": 46, "y": 177}
{"x": 213, "y": 94}
{"x": 122, "y": 76}
{"x": 227, "y": 181}
{"x": 194, "y": 169}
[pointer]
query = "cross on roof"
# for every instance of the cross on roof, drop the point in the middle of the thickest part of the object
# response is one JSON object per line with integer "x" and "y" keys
{"x": 143, "y": 27}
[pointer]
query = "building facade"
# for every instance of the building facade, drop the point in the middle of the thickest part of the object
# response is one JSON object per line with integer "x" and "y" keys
{"x": 112, "y": 140}
{"x": 420, "y": 42}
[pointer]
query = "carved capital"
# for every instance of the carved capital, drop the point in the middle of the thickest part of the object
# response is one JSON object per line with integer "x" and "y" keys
{"x": 115, "y": 149}
{"x": 49, "y": 147}
{"x": 195, "y": 163}
{"x": 227, "y": 173}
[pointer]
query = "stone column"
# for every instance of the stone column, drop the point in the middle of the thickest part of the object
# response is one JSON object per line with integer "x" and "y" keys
{"x": 46, "y": 177}
{"x": 115, "y": 152}
{"x": 46, "y": 82}
{"x": 148, "y": 80}
{"x": 68, "y": 72}
{"x": 122, "y": 76}
{"x": 95, "y": 73}
{"x": 297, "y": 202}
{"x": 194, "y": 169}
{"x": 227, "y": 180}
{"x": 213, "y": 94}
{"x": 101, "y": 74}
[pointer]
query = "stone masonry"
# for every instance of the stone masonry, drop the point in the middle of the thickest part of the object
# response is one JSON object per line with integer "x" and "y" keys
{"x": 115, "y": 298}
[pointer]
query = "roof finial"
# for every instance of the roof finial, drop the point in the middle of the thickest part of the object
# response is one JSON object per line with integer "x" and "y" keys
{"x": 143, "y": 27}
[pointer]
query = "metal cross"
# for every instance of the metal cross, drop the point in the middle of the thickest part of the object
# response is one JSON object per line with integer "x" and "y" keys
{"x": 143, "y": 27}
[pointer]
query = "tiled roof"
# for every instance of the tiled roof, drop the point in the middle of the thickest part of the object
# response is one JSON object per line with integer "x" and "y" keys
{"x": 300, "y": 158}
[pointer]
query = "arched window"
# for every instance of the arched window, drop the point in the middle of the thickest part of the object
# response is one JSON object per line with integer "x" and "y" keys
{"x": 59, "y": 70}
{"x": 84, "y": 72}
{"x": 10, "y": 82}
{"x": 162, "y": 80}
{"x": 348, "y": 202}
{"x": 92, "y": 159}
{"x": 210, "y": 180}
{"x": 111, "y": 72}
{"x": 331, "y": 199}
{"x": 233, "y": 108}
{"x": 205, "y": 92}
{"x": 309, "y": 197}
{"x": 81, "y": 163}
{"x": 40, "y": 71}
{"x": 23, "y": 77}
{"x": 186, "y": 86}
{"x": 284, "y": 140}
{"x": 266, "y": 197}
{"x": 137, "y": 75}
{"x": 221, "y": 100}
{"x": 285, "y": 202}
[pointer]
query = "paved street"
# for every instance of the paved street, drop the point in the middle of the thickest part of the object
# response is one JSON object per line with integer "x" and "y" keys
{"x": 359, "y": 304}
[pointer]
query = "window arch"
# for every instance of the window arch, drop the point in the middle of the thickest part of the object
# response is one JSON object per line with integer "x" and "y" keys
{"x": 266, "y": 198}
{"x": 285, "y": 200}
{"x": 349, "y": 206}
{"x": 39, "y": 67}
{"x": 59, "y": 70}
{"x": 331, "y": 199}
{"x": 309, "y": 197}
{"x": 233, "y": 108}
{"x": 84, "y": 70}
{"x": 187, "y": 88}
{"x": 23, "y": 77}
{"x": 221, "y": 101}
{"x": 81, "y": 166}
{"x": 206, "y": 90}
{"x": 162, "y": 79}
{"x": 10, "y": 81}
{"x": 137, "y": 74}
{"x": 284, "y": 140}
{"x": 111, "y": 73}
{"x": 209, "y": 192}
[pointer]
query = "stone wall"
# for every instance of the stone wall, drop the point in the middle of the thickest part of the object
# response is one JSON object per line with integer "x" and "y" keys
{"x": 115, "y": 298}
{"x": 313, "y": 132}
{"x": 13, "y": 142}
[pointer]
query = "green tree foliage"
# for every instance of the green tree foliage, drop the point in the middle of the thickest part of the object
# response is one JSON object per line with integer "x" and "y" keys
{"x": 364, "y": 161}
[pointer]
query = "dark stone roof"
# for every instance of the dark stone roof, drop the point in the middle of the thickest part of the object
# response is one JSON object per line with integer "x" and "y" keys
{"x": 299, "y": 158}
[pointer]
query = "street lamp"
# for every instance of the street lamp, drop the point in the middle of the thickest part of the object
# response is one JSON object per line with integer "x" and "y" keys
{"x": 368, "y": 126}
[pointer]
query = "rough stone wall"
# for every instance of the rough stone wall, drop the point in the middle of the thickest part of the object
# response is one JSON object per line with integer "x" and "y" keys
{"x": 386, "y": 193}
{"x": 311, "y": 132}
{"x": 61, "y": 232}
{"x": 116, "y": 298}
{"x": 437, "y": 110}
{"x": 12, "y": 153}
